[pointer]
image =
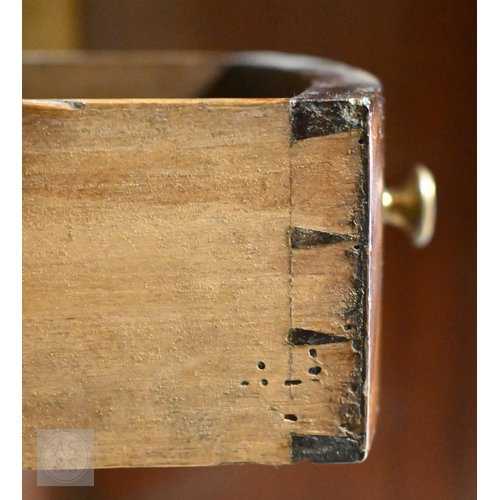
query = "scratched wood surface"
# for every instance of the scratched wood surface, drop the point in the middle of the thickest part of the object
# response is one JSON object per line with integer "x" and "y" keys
{"x": 160, "y": 285}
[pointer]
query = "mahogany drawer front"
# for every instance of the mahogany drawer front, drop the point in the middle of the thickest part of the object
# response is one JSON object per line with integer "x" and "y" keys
{"x": 201, "y": 276}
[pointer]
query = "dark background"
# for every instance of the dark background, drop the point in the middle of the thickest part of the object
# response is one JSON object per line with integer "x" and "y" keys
{"x": 424, "y": 52}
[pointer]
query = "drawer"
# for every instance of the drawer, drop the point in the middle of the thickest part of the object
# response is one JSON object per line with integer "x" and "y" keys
{"x": 202, "y": 255}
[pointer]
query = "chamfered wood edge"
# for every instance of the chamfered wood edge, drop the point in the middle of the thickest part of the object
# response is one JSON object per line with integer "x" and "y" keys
{"x": 375, "y": 272}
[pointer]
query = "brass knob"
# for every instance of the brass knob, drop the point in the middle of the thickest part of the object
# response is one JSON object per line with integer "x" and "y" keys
{"x": 412, "y": 206}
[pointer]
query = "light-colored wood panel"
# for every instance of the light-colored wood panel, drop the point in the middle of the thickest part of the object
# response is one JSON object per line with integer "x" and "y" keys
{"x": 157, "y": 275}
{"x": 145, "y": 245}
{"x": 323, "y": 288}
{"x": 326, "y": 182}
{"x": 322, "y": 400}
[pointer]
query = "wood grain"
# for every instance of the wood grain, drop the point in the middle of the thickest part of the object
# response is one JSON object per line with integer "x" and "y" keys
{"x": 157, "y": 276}
{"x": 325, "y": 197}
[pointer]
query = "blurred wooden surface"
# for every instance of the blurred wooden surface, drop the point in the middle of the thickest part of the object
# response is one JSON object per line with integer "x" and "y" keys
{"x": 425, "y": 54}
{"x": 54, "y": 24}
